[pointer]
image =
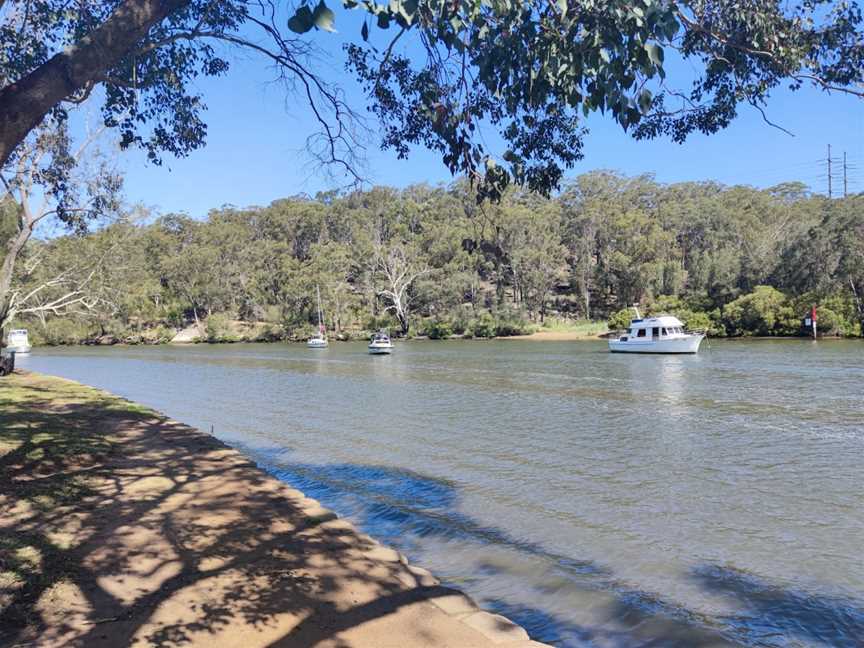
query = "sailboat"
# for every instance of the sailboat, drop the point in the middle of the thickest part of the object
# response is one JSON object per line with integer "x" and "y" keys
{"x": 319, "y": 340}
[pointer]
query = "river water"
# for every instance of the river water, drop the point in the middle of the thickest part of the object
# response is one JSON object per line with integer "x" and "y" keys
{"x": 597, "y": 499}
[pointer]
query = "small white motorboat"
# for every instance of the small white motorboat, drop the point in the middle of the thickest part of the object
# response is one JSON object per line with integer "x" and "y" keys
{"x": 18, "y": 341}
{"x": 381, "y": 344}
{"x": 319, "y": 340}
{"x": 662, "y": 334}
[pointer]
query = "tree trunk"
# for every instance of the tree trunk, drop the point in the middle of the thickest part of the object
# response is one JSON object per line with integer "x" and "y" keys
{"x": 859, "y": 306}
{"x": 197, "y": 321}
{"x": 587, "y": 303}
{"x": 24, "y": 104}
{"x": 338, "y": 317}
{"x": 6, "y": 271}
{"x": 499, "y": 281}
{"x": 7, "y": 364}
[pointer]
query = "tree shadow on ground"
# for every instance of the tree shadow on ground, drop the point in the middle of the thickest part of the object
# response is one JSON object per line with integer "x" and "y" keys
{"x": 119, "y": 526}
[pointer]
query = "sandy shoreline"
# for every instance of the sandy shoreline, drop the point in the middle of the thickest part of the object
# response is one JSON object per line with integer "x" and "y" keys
{"x": 555, "y": 336}
{"x": 539, "y": 336}
{"x": 120, "y": 527}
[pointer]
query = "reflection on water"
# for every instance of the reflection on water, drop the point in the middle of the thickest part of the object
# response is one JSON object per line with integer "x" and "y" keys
{"x": 597, "y": 499}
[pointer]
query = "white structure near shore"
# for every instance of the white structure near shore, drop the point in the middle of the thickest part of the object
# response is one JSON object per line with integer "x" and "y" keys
{"x": 663, "y": 334}
{"x": 18, "y": 341}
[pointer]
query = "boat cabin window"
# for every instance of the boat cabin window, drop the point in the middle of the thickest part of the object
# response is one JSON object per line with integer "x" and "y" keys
{"x": 655, "y": 332}
{"x": 640, "y": 333}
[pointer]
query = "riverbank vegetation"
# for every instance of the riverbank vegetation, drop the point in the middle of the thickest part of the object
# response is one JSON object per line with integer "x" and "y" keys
{"x": 530, "y": 77}
{"x": 431, "y": 261}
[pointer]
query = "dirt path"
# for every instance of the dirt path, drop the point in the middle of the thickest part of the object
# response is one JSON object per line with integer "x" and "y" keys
{"x": 119, "y": 527}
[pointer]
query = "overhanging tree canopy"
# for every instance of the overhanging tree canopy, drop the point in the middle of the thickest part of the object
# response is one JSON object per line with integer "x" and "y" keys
{"x": 535, "y": 69}
{"x": 532, "y": 69}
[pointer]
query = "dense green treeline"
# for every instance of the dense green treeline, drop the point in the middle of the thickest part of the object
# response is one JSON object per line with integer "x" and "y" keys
{"x": 429, "y": 260}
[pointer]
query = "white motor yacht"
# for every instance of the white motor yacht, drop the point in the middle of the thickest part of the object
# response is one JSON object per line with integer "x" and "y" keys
{"x": 662, "y": 334}
{"x": 381, "y": 344}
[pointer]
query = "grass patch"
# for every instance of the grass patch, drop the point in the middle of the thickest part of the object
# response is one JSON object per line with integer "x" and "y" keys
{"x": 54, "y": 437}
{"x": 588, "y": 328}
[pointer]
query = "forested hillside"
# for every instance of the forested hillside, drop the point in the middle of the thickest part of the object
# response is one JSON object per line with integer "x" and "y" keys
{"x": 429, "y": 260}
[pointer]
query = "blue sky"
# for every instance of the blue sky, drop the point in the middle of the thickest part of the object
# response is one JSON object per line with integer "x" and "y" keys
{"x": 255, "y": 151}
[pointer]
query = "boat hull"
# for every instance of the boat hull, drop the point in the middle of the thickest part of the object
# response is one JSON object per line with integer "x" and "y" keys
{"x": 686, "y": 344}
{"x": 317, "y": 344}
{"x": 380, "y": 350}
{"x": 19, "y": 349}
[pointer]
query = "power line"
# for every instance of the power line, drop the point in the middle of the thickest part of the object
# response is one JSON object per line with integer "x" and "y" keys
{"x": 845, "y": 183}
{"x": 831, "y": 162}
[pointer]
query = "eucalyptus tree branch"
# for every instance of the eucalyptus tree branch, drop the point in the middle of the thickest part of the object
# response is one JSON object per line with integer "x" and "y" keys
{"x": 187, "y": 36}
{"x": 311, "y": 84}
{"x": 25, "y": 103}
{"x": 828, "y": 86}
{"x": 696, "y": 26}
{"x": 768, "y": 121}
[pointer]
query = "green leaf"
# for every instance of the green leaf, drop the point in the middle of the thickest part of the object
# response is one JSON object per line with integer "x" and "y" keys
{"x": 364, "y": 31}
{"x": 383, "y": 21}
{"x": 410, "y": 8}
{"x": 302, "y": 21}
{"x": 324, "y": 18}
{"x": 645, "y": 98}
{"x": 670, "y": 27}
{"x": 655, "y": 53}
